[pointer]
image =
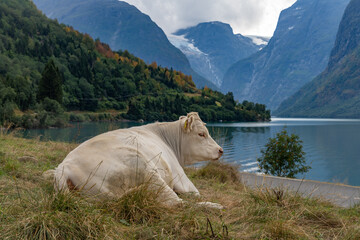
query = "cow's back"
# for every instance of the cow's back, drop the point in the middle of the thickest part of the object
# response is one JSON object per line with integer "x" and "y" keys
{"x": 115, "y": 161}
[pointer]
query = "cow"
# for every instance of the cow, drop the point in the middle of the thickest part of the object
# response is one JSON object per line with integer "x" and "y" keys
{"x": 115, "y": 162}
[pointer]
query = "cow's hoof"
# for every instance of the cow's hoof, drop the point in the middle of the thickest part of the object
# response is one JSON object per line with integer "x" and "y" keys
{"x": 211, "y": 205}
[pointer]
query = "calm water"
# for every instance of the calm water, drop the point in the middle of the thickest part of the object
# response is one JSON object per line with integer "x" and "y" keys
{"x": 332, "y": 146}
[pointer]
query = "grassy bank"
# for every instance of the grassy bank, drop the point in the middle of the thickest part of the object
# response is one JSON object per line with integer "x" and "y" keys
{"x": 30, "y": 209}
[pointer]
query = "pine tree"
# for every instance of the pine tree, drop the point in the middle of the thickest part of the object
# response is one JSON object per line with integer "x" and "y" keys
{"x": 50, "y": 85}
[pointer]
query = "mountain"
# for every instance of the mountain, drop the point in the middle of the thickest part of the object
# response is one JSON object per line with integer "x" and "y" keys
{"x": 298, "y": 51}
{"x": 47, "y": 68}
{"x": 212, "y": 48}
{"x": 123, "y": 27}
{"x": 336, "y": 91}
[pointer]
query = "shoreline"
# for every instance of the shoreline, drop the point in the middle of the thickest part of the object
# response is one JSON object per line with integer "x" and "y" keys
{"x": 67, "y": 119}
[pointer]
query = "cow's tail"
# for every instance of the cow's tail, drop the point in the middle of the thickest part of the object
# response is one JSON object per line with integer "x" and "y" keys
{"x": 60, "y": 178}
{"x": 49, "y": 174}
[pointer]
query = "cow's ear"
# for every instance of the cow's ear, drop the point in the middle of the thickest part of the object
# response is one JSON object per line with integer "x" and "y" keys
{"x": 186, "y": 123}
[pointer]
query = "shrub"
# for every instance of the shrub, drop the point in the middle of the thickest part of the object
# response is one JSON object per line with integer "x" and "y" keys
{"x": 74, "y": 117}
{"x": 222, "y": 172}
{"x": 52, "y": 106}
{"x": 283, "y": 156}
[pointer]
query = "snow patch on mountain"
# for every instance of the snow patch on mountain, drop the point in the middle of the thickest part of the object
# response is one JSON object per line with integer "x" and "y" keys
{"x": 259, "y": 40}
{"x": 184, "y": 44}
{"x": 199, "y": 60}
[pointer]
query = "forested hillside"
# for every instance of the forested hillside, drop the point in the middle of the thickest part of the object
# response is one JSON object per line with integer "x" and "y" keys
{"x": 123, "y": 27}
{"x": 36, "y": 52}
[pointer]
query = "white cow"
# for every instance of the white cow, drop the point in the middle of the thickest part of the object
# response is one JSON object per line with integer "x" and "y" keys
{"x": 112, "y": 163}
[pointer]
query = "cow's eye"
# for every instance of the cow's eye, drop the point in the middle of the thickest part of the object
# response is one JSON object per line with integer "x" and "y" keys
{"x": 202, "y": 134}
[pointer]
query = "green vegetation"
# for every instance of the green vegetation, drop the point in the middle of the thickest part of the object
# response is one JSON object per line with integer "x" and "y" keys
{"x": 30, "y": 208}
{"x": 283, "y": 156}
{"x": 40, "y": 59}
{"x": 50, "y": 85}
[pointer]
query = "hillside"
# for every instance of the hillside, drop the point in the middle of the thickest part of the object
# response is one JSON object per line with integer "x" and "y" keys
{"x": 336, "y": 91}
{"x": 212, "y": 48}
{"x": 298, "y": 51}
{"x": 123, "y": 27}
{"x": 35, "y": 50}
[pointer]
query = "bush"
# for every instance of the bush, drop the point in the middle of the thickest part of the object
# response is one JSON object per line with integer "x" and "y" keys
{"x": 222, "y": 172}
{"x": 283, "y": 156}
{"x": 28, "y": 121}
{"x": 50, "y": 105}
{"x": 77, "y": 117}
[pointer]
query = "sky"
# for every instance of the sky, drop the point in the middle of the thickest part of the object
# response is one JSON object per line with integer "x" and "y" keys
{"x": 248, "y": 17}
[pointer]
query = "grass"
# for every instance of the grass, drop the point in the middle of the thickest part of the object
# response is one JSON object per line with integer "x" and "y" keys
{"x": 31, "y": 209}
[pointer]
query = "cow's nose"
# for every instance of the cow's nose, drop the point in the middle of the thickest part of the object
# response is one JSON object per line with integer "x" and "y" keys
{"x": 221, "y": 151}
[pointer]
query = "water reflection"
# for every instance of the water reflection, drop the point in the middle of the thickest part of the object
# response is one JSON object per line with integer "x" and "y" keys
{"x": 254, "y": 129}
{"x": 78, "y": 132}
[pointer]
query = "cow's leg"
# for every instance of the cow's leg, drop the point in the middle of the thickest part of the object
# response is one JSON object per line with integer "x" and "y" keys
{"x": 211, "y": 205}
{"x": 182, "y": 184}
{"x": 164, "y": 193}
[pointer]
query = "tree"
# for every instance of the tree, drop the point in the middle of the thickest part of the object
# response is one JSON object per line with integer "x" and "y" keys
{"x": 136, "y": 110}
{"x": 50, "y": 84}
{"x": 283, "y": 156}
{"x": 7, "y": 105}
{"x": 229, "y": 101}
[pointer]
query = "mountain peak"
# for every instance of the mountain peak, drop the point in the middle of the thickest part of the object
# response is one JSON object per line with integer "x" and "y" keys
{"x": 210, "y": 27}
{"x": 212, "y": 48}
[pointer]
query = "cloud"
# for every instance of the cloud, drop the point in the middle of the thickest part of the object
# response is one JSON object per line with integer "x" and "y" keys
{"x": 248, "y": 17}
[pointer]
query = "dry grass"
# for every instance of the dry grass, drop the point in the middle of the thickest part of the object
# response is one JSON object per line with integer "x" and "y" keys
{"x": 193, "y": 94}
{"x": 218, "y": 171}
{"x": 30, "y": 209}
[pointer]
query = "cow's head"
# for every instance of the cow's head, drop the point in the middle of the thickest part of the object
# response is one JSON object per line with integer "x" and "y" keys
{"x": 197, "y": 144}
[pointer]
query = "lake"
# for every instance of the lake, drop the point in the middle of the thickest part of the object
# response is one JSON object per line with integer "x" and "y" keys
{"x": 332, "y": 146}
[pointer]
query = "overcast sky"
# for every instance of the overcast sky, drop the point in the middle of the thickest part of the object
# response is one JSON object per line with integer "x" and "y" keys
{"x": 248, "y": 17}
